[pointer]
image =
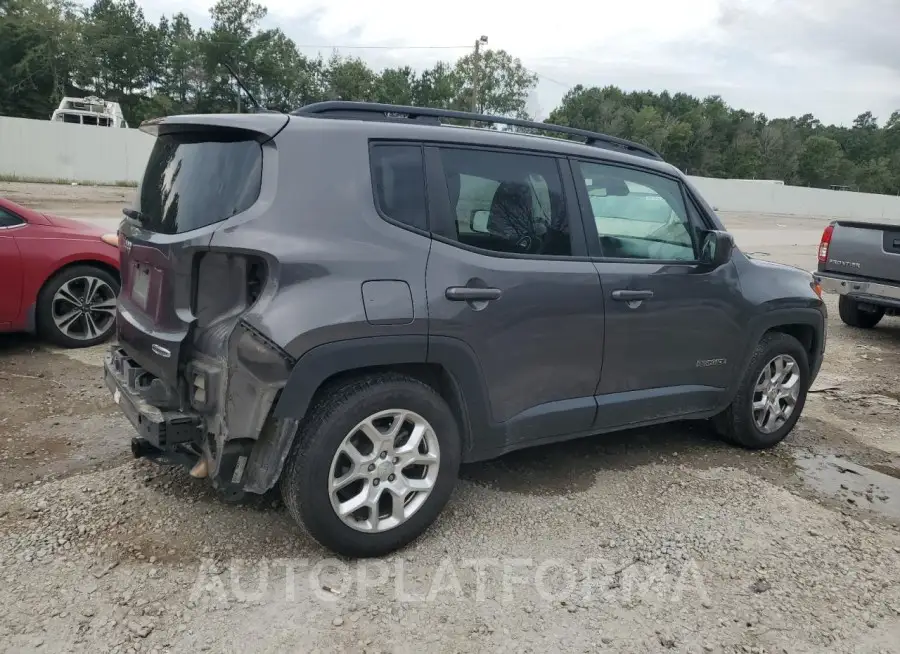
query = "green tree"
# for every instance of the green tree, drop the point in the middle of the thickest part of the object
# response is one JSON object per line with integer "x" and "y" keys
{"x": 877, "y": 176}
{"x": 349, "y": 78}
{"x": 820, "y": 161}
{"x": 118, "y": 51}
{"x": 180, "y": 74}
{"x": 601, "y": 110}
{"x": 677, "y": 148}
{"x": 648, "y": 127}
{"x": 278, "y": 75}
{"x": 396, "y": 85}
{"x": 234, "y": 23}
{"x": 438, "y": 86}
{"x": 503, "y": 83}
{"x": 779, "y": 151}
{"x": 39, "y": 48}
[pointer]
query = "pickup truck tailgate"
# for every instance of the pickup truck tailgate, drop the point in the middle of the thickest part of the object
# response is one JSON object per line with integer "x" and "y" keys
{"x": 864, "y": 249}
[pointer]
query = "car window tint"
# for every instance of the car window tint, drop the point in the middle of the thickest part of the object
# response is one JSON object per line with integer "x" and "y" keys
{"x": 506, "y": 202}
{"x": 9, "y": 220}
{"x": 195, "y": 180}
{"x": 638, "y": 215}
{"x": 398, "y": 179}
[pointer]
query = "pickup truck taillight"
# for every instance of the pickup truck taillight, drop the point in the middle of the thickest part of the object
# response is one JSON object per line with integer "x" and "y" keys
{"x": 824, "y": 243}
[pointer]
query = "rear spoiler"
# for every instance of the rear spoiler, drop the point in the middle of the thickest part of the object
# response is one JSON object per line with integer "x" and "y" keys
{"x": 264, "y": 124}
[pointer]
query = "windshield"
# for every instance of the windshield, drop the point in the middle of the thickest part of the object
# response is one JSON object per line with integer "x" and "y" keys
{"x": 194, "y": 180}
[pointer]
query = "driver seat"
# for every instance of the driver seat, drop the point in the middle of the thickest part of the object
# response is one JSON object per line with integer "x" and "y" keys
{"x": 511, "y": 215}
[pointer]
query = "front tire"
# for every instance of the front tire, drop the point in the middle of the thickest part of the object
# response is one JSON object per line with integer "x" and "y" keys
{"x": 852, "y": 315}
{"x": 77, "y": 307}
{"x": 771, "y": 395}
{"x": 373, "y": 465}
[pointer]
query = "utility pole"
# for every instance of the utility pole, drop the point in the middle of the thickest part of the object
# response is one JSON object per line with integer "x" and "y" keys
{"x": 475, "y": 72}
{"x": 237, "y": 80}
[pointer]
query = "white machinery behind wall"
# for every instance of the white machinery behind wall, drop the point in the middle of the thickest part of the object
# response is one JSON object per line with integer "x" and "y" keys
{"x": 89, "y": 111}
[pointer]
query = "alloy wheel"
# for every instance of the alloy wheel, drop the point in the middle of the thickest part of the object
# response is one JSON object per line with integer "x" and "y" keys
{"x": 84, "y": 308}
{"x": 776, "y": 393}
{"x": 384, "y": 470}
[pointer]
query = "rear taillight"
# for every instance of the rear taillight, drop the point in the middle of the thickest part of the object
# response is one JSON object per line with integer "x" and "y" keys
{"x": 824, "y": 243}
{"x": 198, "y": 389}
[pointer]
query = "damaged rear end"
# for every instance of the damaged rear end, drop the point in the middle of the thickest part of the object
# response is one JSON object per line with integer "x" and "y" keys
{"x": 195, "y": 379}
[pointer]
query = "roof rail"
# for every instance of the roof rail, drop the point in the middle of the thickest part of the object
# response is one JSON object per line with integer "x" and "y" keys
{"x": 431, "y": 116}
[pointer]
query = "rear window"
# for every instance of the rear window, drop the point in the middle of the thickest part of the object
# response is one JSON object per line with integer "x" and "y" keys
{"x": 195, "y": 180}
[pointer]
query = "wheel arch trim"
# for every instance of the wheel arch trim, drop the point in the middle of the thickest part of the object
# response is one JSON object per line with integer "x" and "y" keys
{"x": 453, "y": 355}
{"x": 322, "y": 362}
{"x": 771, "y": 321}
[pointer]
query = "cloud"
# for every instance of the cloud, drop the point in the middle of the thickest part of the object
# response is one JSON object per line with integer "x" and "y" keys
{"x": 828, "y": 31}
{"x": 839, "y": 56}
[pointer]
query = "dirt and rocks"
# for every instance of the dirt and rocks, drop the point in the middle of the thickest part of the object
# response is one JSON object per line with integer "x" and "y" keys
{"x": 656, "y": 540}
{"x": 73, "y": 201}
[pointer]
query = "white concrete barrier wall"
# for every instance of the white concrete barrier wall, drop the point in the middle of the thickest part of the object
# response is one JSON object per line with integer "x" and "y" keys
{"x": 39, "y": 149}
{"x": 760, "y": 197}
{"x": 44, "y": 150}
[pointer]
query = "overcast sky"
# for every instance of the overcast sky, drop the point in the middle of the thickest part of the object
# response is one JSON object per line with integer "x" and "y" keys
{"x": 832, "y": 58}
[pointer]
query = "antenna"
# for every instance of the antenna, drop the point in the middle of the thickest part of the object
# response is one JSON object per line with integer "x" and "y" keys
{"x": 241, "y": 84}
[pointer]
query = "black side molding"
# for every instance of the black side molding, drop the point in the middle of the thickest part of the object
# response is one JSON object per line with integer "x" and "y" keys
{"x": 327, "y": 360}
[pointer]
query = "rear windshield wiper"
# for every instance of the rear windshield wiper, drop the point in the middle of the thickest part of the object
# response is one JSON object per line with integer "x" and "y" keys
{"x": 134, "y": 213}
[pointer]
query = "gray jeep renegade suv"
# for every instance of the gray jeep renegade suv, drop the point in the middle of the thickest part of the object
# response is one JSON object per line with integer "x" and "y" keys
{"x": 353, "y": 299}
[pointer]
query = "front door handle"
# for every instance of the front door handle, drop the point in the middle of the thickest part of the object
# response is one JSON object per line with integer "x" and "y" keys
{"x": 631, "y": 296}
{"x": 472, "y": 294}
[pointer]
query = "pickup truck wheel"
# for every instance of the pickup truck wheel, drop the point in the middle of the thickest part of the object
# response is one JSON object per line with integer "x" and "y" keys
{"x": 852, "y": 315}
{"x": 373, "y": 465}
{"x": 771, "y": 396}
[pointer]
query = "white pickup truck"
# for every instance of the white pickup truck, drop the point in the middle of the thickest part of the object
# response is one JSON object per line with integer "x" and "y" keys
{"x": 861, "y": 262}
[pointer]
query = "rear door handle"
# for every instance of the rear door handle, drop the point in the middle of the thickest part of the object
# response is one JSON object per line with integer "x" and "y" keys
{"x": 631, "y": 296}
{"x": 470, "y": 294}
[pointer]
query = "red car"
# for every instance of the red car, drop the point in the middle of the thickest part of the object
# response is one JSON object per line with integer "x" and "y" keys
{"x": 58, "y": 277}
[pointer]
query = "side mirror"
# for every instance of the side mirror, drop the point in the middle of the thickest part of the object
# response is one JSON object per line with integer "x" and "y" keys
{"x": 479, "y": 221}
{"x": 717, "y": 248}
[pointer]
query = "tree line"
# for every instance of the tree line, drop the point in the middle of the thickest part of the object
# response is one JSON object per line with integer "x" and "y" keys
{"x": 53, "y": 48}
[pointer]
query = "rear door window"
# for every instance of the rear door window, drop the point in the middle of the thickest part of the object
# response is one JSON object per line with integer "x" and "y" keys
{"x": 507, "y": 202}
{"x": 195, "y": 180}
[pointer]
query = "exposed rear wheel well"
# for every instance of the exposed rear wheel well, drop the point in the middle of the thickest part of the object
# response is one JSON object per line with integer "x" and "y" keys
{"x": 432, "y": 374}
{"x": 806, "y": 334}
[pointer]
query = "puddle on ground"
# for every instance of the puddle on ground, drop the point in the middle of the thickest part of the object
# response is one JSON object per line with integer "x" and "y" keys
{"x": 891, "y": 471}
{"x": 864, "y": 487}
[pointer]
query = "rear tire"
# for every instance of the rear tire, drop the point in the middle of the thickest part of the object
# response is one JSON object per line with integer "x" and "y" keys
{"x": 852, "y": 315}
{"x": 55, "y": 321}
{"x": 738, "y": 423}
{"x": 310, "y": 471}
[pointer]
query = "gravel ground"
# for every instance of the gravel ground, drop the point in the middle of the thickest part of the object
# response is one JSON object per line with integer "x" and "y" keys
{"x": 656, "y": 540}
